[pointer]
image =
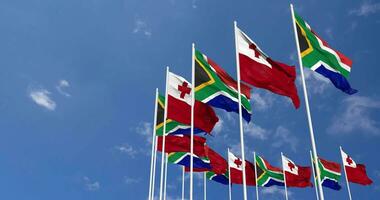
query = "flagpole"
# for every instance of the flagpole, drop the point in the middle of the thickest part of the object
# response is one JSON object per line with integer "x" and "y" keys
{"x": 153, "y": 141}
{"x": 315, "y": 181}
{"x": 307, "y": 103}
{"x": 192, "y": 119}
{"x": 163, "y": 135}
{"x": 151, "y": 184}
{"x": 166, "y": 174}
{"x": 257, "y": 184}
{"x": 154, "y": 167}
{"x": 229, "y": 175}
{"x": 204, "y": 186}
{"x": 240, "y": 114}
{"x": 345, "y": 173}
{"x": 183, "y": 183}
{"x": 283, "y": 171}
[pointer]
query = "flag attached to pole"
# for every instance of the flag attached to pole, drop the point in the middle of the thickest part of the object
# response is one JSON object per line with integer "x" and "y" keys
{"x": 179, "y": 105}
{"x": 236, "y": 170}
{"x": 220, "y": 178}
{"x": 257, "y": 69}
{"x": 295, "y": 175}
{"x": 330, "y": 174}
{"x": 356, "y": 173}
{"x": 181, "y": 143}
{"x": 172, "y": 127}
{"x": 267, "y": 175}
{"x": 318, "y": 56}
{"x": 215, "y": 87}
{"x": 200, "y": 163}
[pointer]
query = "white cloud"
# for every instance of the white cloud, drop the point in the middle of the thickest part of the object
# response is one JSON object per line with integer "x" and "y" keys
{"x": 41, "y": 97}
{"x": 62, "y": 84}
{"x": 194, "y": 4}
{"x": 329, "y": 32}
{"x": 356, "y": 115}
{"x": 129, "y": 180}
{"x": 316, "y": 83}
{"x": 262, "y": 100}
{"x": 218, "y": 127}
{"x": 127, "y": 149}
{"x": 256, "y": 131}
{"x": 91, "y": 185}
{"x": 145, "y": 129}
{"x": 141, "y": 27}
{"x": 366, "y": 8}
{"x": 283, "y": 137}
{"x": 274, "y": 190}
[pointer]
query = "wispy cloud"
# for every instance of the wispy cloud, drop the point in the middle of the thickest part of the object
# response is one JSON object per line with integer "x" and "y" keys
{"x": 262, "y": 100}
{"x": 273, "y": 191}
{"x": 356, "y": 115}
{"x": 42, "y": 98}
{"x": 130, "y": 180}
{"x": 91, "y": 185}
{"x": 142, "y": 28}
{"x": 194, "y": 4}
{"x": 145, "y": 129}
{"x": 329, "y": 32}
{"x": 62, "y": 85}
{"x": 218, "y": 127}
{"x": 283, "y": 137}
{"x": 366, "y": 8}
{"x": 256, "y": 131}
{"x": 317, "y": 84}
{"x": 127, "y": 149}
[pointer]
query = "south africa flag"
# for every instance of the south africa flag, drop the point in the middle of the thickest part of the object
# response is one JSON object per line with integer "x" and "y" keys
{"x": 216, "y": 88}
{"x": 268, "y": 175}
{"x": 220, "y": 178}
{"x": 330, "y": 174}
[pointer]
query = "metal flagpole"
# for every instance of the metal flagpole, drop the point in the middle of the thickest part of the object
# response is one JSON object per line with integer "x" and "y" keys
{"x": 166, "y": 174}
{"x": 163, "y": 135}
{"x": 306, "y": 102}
{"x": 151, "y": 184}
{"x": 315, "y": 181}
{"x": 183, "y": 183}
{"x": 283, "y": 171}
{"x": 204, "y": 186}
{"x": 229, "y": 175}
{"x": 192, "y": 119}
{"x": 257, "y": 184}
{"x": 345, "y": 173}
{"x": 154, "y": 167}
{"x": 240, "y": 114}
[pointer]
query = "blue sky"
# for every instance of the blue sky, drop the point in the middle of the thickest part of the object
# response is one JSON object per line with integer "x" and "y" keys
{"x": 77, "y": 88}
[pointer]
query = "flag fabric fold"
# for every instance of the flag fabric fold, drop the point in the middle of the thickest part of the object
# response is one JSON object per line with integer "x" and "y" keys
{"x": 200, "y": 164}
{"x": 295, "y": 175}
{"x": 267, "y": 175}
{"x": 181, "y": 143}
{"x": 317, "y": 55}
{"x": 179, "y": 105}
{"x": 330, "y": 174}
{"x": 219, "y": 178}
{"x": 236, "y": 170}
{"x": 356, "y": 173}
{"x": 257, "y": 69}
{"x": 215, "y": 87}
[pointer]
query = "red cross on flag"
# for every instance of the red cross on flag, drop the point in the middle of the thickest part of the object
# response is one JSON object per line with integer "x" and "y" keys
{"x": 236, "y": 170}
{"x": 356, "y": 173}
{"x": 179, "y": 105}
{"x": 295, "y": 175}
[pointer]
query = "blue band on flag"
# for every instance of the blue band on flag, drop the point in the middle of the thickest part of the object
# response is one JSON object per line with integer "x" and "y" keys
{"x": 229, "y": 105}
{"x": 337, "y": 79}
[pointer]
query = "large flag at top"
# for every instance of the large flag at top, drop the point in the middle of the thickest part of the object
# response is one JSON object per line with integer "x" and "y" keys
{"x": 257, "y": 69}
{"x": 179, "y": 105}
{"x": 215, "y": 87}
{"x": 295, "y": 175}
{"x": 267, "y": 175}
{"x": 356, "y": 173}
{"x": 318, "y": 56}
{"x": 330, "y": 174}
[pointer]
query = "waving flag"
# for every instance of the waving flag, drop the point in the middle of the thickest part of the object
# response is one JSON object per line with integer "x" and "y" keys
{"x": 181, "y": 143}
{"x": 172, "y": 127}
{"x": 216, "y": 88}
{"x": 200, "y": 164}
{"x": 356, "y": 173}
{"x": 236, "y": 170}
{"x": 318, "y": 56}
{"x": 267, "y": 175}
{"x": 330, "y": 174}
{"x": 295, "y": 175}
{"x": 220, "y": 178}
{"x": 179, "y": 105}
{"x": 257, "y": 69}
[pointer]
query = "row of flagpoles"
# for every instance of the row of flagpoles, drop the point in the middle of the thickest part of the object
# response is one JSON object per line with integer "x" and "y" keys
{"x": 184, "y": 94}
